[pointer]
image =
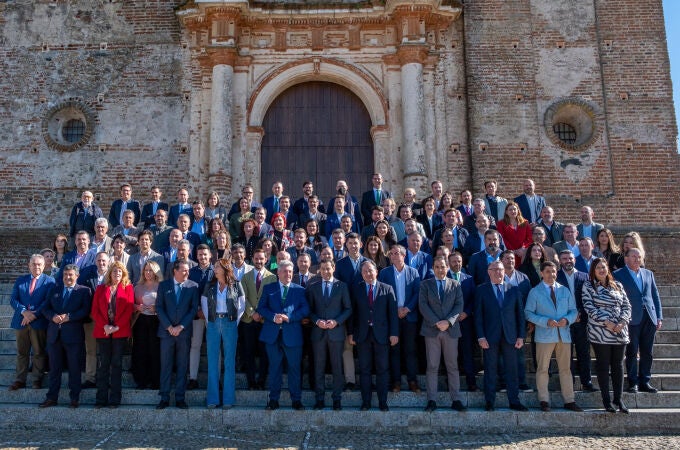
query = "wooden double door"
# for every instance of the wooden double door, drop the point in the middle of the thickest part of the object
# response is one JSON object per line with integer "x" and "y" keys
{"x": 317, "y": 131}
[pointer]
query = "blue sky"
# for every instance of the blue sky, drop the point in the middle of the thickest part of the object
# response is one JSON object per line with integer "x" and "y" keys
{"x": 672, "y": 14}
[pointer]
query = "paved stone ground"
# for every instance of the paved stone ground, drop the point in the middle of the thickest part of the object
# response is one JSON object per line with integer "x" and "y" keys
{"x": 318, "y": 440}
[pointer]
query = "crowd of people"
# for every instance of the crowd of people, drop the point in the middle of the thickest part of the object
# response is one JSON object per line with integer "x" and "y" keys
{"x": 395, "y": 286}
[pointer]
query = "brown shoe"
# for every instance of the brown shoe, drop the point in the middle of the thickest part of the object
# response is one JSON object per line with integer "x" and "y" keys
{"x": 47, "y": 403}
{"x": 573, "y": 407}
{"x": 37, "y": 385}
{"x": 545, "y": 407}
{"x": 396, "y": 387}
{"x": 16, "y": 386}
{"x": 413, "y": 386}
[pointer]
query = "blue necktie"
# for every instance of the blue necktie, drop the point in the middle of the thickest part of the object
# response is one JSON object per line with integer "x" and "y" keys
{"x": 441, "y": 289}
{"x": 276, "y": 204}
{"x": 67, "y": 295}
{"x": 499, "y": 295}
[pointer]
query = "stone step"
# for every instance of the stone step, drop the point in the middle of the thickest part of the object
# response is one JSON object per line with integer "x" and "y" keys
{"x": 671, "y": 311}
{"x": 413, "y": 420}
{"x": 667, "y": 337}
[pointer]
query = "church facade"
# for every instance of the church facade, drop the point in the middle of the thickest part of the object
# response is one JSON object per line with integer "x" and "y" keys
{"x": 210, "y": 95}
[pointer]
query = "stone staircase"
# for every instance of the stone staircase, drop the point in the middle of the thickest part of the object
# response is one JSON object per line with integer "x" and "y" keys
{"x": 649, "y": 412}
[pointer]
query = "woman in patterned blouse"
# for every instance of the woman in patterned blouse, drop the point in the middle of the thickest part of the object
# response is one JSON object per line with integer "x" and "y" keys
{"x": 608, "y": 309}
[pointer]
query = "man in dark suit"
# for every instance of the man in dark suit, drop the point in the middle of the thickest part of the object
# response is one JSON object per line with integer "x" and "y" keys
{"x": 405, "y": 281}
{"x": 351, "y": 205}
{"x": 569, "y": 242}
{"x": 530, "y": 204}
{"x": 470, "y": 222}
{"x": 499, "y": 320}
{"x": 553, "y": 229}
{"x": 441, "y": 302}
{"x": 271, "y": 203}
{"x": 417, "y": 258}
{"x": 66, "y": 307}
{"x": 573, "y": 279}
{"x": 124, "y": 203}
{"x": 292, "y": 219}
{"x": 312, "y": 210}
{"x": 29, "y": 296}
{"x": 460, "y": 234}
{"x": 475, "y": 242}
{"x": 374, "y": 197}
{"x": 183, "y": 254}
{"x": 82, "y": 256}
{"x": 467, "y": 341}
{"x": 646, "y": 319}
{"x": 373, "y": 329}
{"x": 479, "y": 262}
{"x": 149, "y": 210}
{"x": 465, "y": 206}
{"x": 176, "y": 306}
{"x": 377, "y": 215}
{"x": 84, "y": 214}
{"x": 587, "y": 227}
{"x": 302, "y": 206}
{"x": 300, "y": 247}
{"x": 160, "y": 231}
{"x": 337, "y": 244}
{"x": 182, "y": 207}
{"x": 586, "y": 257}
{"x": 329, "y": 307}
{"x": 283, "y": 306}
{"x": 183, "y": 224}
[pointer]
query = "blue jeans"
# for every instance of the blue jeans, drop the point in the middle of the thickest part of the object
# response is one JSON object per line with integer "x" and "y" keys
{"x": 222, "y": 331}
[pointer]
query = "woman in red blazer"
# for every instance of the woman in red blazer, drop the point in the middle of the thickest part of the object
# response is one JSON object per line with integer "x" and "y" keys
{"x": 112, "y": 307}
{"x": 516, "y": 231}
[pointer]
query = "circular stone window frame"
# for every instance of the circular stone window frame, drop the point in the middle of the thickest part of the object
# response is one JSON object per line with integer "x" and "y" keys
{"x": 58, "y": 116}
{"x": 578, "y": 113}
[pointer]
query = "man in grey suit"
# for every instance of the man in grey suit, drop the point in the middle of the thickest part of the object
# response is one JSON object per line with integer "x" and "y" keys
{"x": 441, "y": 302}
{"x": 136, "y": 262}
{"x": 329, "y": 307}
{"x": 587, "y": 227}
{"x": 176, "y": 306}
{"x": 646, "y": 319}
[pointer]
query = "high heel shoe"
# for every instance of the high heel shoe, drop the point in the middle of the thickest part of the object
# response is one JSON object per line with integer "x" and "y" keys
{"x": 622, "y": 407}
{"x": 609, "y": 408}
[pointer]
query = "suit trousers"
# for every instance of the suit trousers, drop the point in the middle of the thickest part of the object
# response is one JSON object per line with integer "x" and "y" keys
{"x": 146, "y": 352}
{"x": 90, "y": 352}
{"x": 371, "y": 351}
{"x": 28, "y": 338}
{"x": 544, "y": 352}
{"x": 198, "y": 328}
{"x": 325, "y": 349}
{"x": 60, "y": 353}
{"x": 608, "y": 357}
{"x": 405, "y": 350}
{"x": 466, "y": 349}
{"x": 109, "y": 370}
{"x": 251, "y": 345}
{"x": 642, "y": 341}
{"x": 275, "y": 353}
{"x": 444, "y": 344}
{"x": 174, "y": 348}
{"x": 581, "y": 346}
{"x": 496, "y": 352}
{"x": 348, "y": 363}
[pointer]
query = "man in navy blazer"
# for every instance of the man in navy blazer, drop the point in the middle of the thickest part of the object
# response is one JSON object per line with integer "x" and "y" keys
{"x": 83, "y": 214}
{"x": 416, "y": 258}
{"x": 499, "y": 320}
{"x": 301, "y": 205}
{"x": 149, "y": 210}
{"x": 283, "y": 305}
{"x": 405, "y": 282}
{"x": 124, "y": 203}
{"x": 66, "y": 308}
{"x": 374, "y": 197}
{"x": 181, "y": 207}
{"x": 271, "y": 203}
{"x": 479, "y": 262}
{"x": 29, "y": 296}
{"x": 176, "y": 306}
{"x": 373, "y": 329}
{"x": 573, "y": 279}
{"x": 329, "y": 308}
{"x": 530, "y": 204}
{"x": 646, "y": 319}
{"x": 82, "y": 256}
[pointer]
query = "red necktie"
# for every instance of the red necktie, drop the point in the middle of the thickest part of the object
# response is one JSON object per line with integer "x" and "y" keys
{"x": 34, "y": 280}
{"x": 370, "y": 295}
{"x": 258, "y": 281}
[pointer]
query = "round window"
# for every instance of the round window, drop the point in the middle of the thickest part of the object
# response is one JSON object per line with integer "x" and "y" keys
{"x": 68, "y": 126}
{"x": 571, "y": 124}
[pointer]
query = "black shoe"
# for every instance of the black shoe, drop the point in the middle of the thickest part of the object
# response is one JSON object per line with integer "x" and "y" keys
{"x": 431, "y": 406}
{"x": 101, "y": 405}
{"x": 545, "y": 407}
{"x": 384, "y": 407}
{"x": 88, "y": 385}
{"x": 114, "y": 405}
{"x": 632, "y": 388}
{"x": 298, "y": 406}
{"x": 472, "y": 388}
{"x": 162, "y": 404}
{"x": 181, "y": 404}
{"x": 573, "y": 407}
{"x": 609, "y": 408}
{"x": 365, "y": 407}
{"x": 74, "y": 404}
{"x": 646, "y": 387}
{"x": 525, "y": 388}
{"x": 589, "y": 388}
{"x": 191, "y": 385}
{"x": 48, "y": 403}
{"x": 458, "y": 406}
{"x": 272, "y": 405}
{"x": 518, "y": 407}
{"x": 350, "y": 386}
{"x": 319, "y": 405}
{"x": 489, "y": 406}
{"x": 622, "y": 407}
{"x": 337, "y": 406}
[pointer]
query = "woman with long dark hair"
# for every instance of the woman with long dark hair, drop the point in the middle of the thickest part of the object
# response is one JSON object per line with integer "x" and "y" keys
{"x": 531, "y": 266}
{"x": 607, "y": 248}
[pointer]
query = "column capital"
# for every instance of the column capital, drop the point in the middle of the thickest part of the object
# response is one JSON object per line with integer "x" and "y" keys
{"x": 412, "y": 53}
{"x": 214, "y": 56}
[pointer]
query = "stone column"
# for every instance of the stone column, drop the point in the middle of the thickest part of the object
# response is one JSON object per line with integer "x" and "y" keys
{"x": 254, "y": 137}
{"x": 411, "y": 58}
{"x": 219, "y": 171}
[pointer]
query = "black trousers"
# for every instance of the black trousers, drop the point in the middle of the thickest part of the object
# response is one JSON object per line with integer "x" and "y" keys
{"x": 581, "y": 346}
{"x": 146, "y": 352}
{"x": 109, "y": 370}
{"x": 609, "y": 357}
{"x": 325, "y": 349}
{"x": 406, "y": 348}
{"x": 69, "y": 353}
{"x": 250, "y": 345}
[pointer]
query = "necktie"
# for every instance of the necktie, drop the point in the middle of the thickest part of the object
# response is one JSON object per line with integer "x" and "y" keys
{"x": 456, "y": 276}
{"x": 377, "y": 196}
{"x": 499, "y": 295}
{"x": 441, "y": 289}
{"x": 178, "y": 291}
{"x": 327, "y": 289}
{"x": 337, "y": 255}
{"x": 258, "y": 281}
{"x": 303, "y": 280}
{"x": 370, "y": 295}
{"x": 276, "y": 204}
{"x": 67, "y": 295}
{"x": 552, "y": 296}
{"x": 34, "y": 281}
{"x": 285, "y": 294}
